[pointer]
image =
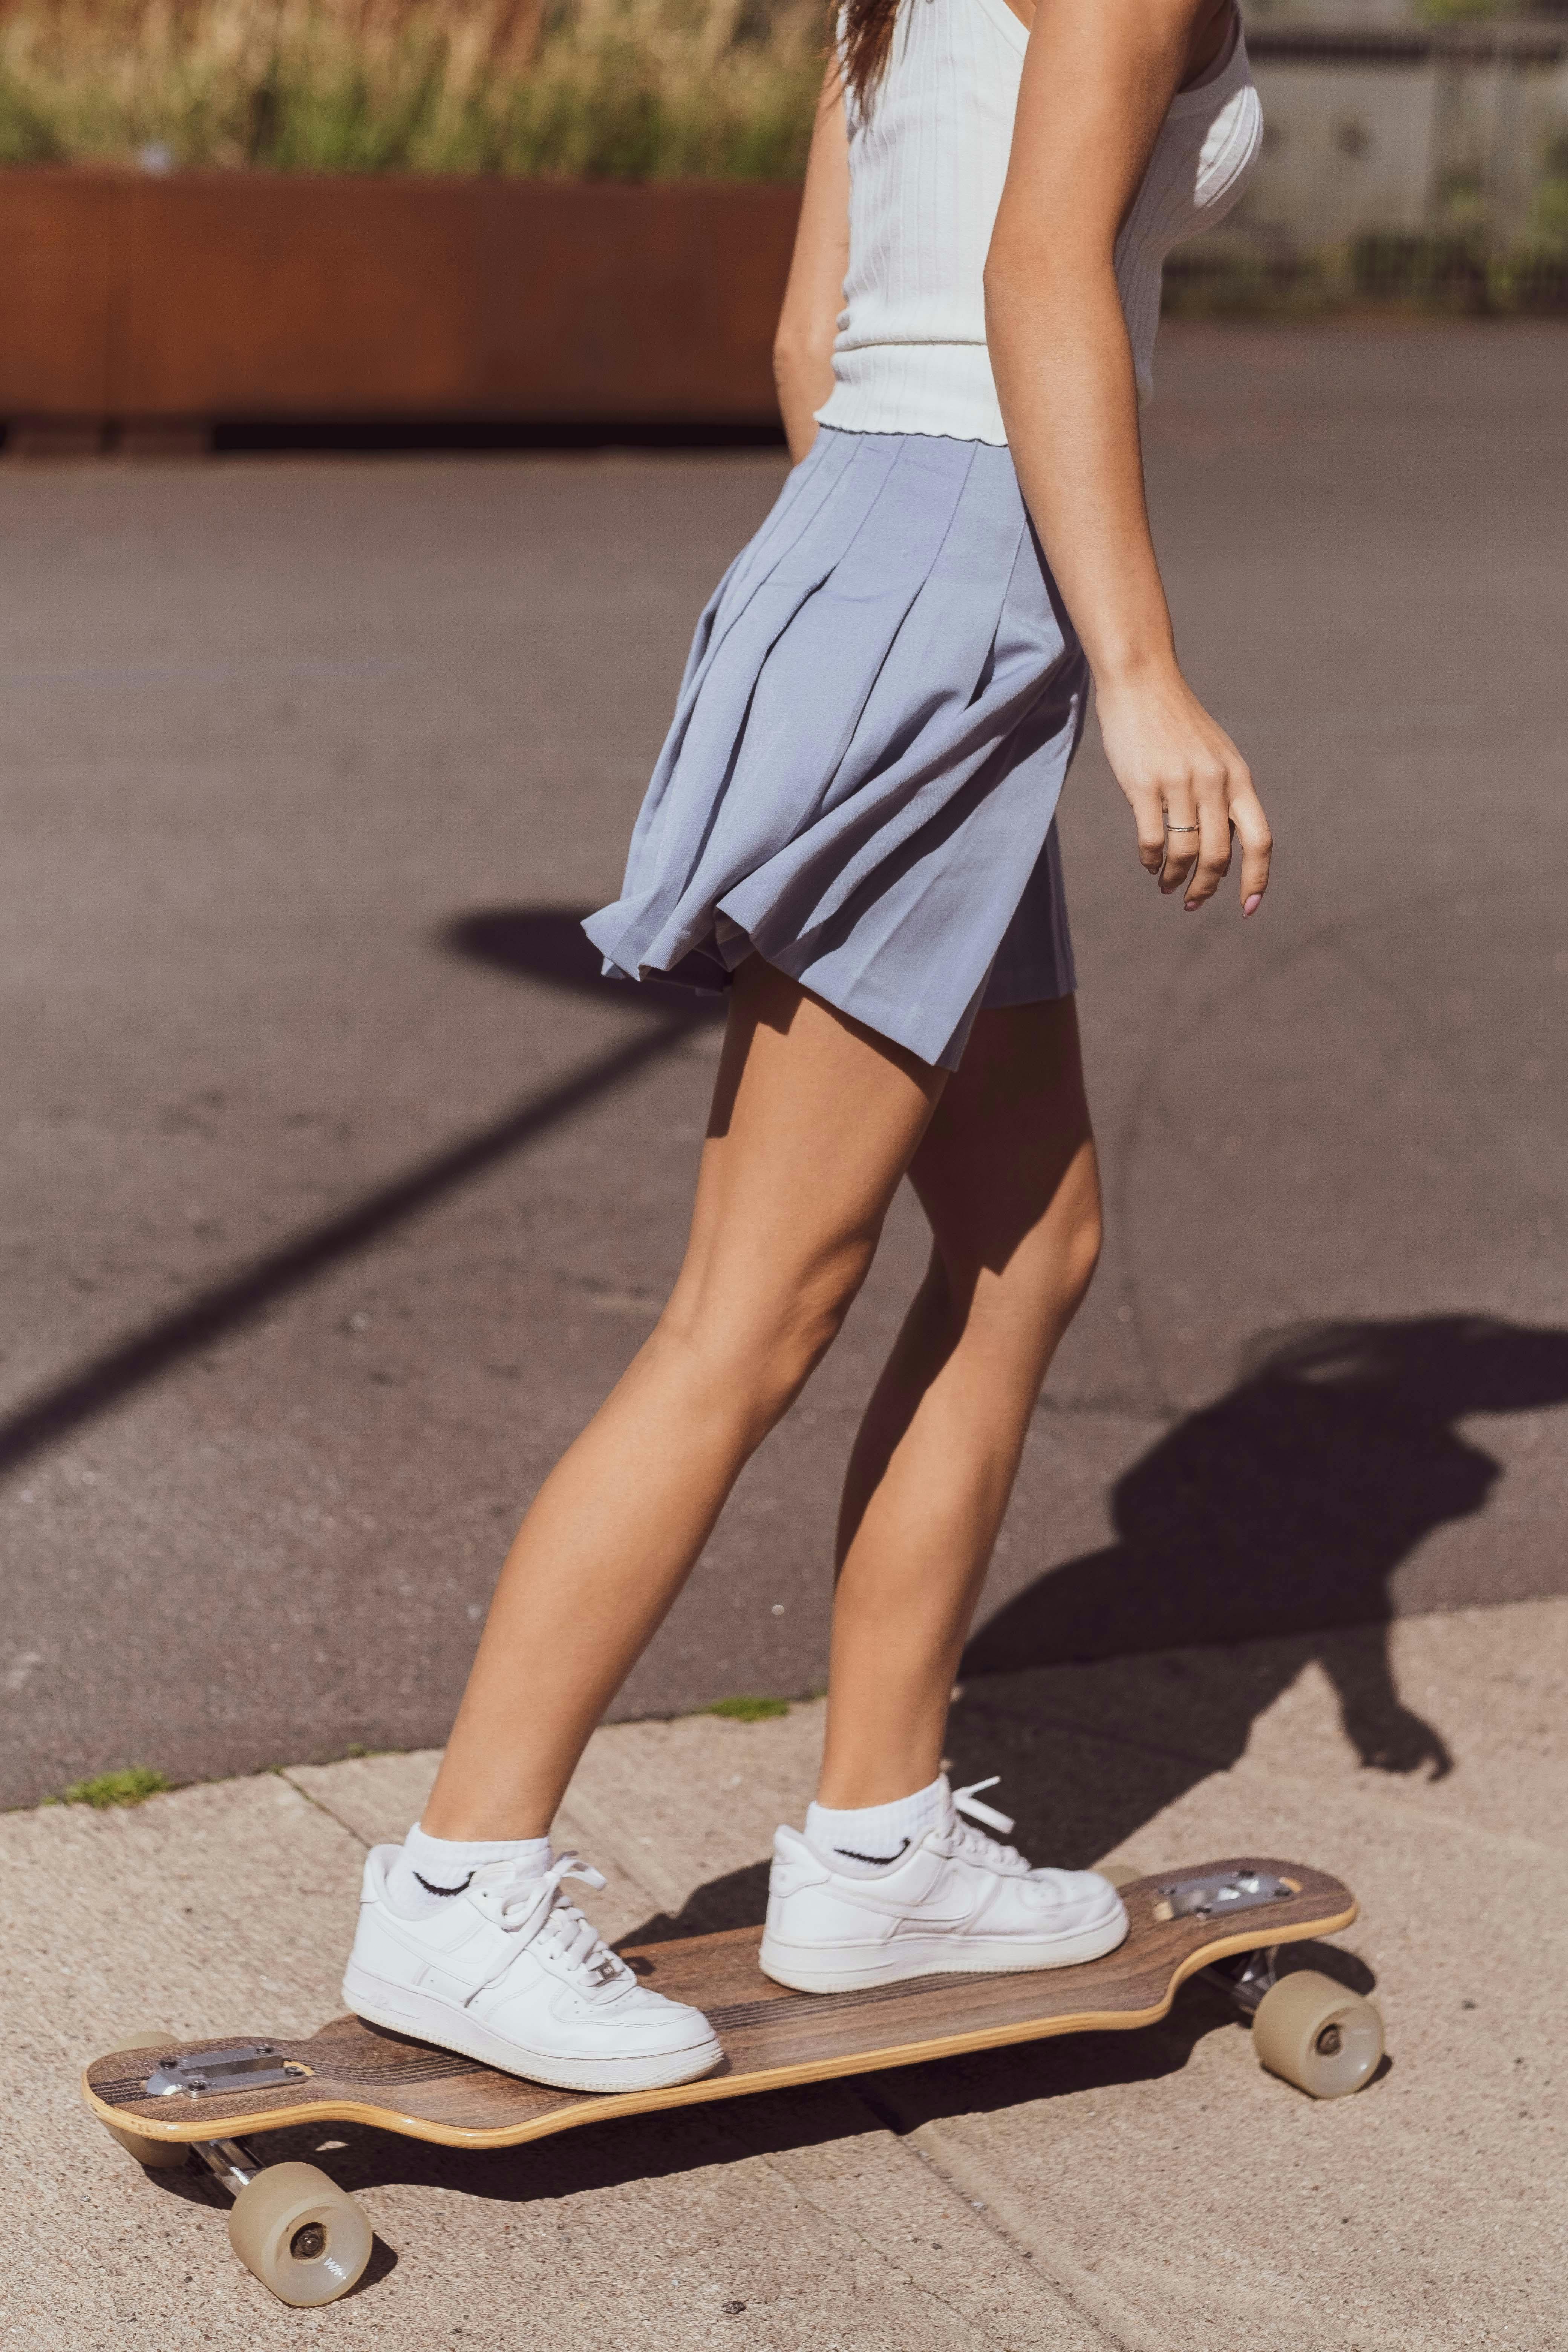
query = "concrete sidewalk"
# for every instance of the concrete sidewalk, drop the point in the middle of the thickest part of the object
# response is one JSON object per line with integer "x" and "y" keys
{"x": 1154, "y": 2191}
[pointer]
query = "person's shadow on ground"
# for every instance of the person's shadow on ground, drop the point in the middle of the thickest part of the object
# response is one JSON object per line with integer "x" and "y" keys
{"x": 1276, "y": 1518}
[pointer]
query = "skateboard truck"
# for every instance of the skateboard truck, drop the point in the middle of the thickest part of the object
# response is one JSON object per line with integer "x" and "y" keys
{"x": 230, "y": 2161}
{"x": 1245, "y": 1978}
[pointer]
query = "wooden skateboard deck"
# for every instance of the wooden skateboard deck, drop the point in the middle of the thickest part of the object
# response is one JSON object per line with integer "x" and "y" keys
{"x": 353, "y": 2072}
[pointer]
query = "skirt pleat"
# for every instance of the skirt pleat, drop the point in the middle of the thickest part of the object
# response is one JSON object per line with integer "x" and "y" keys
{"x": 860, "y": 781}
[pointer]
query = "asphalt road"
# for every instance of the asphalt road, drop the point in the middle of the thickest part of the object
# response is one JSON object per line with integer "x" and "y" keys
{"x": 338, "y": 1190}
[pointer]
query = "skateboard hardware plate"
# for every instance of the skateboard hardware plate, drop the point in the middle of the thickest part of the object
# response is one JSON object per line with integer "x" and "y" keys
{"x": 239, "y": 2066}
{"x": 1211, "y": 1894}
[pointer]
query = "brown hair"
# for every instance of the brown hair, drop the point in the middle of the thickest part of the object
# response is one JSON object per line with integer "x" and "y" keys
{"x": 864, "y": 43}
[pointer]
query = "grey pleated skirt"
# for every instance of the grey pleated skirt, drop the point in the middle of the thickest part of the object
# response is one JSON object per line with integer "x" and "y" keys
{"x": 861, "y": 778}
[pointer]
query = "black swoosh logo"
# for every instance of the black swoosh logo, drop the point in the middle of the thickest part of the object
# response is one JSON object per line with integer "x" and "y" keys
{"x": 879, "y": 1860}
{"x": 425, "y": 1883}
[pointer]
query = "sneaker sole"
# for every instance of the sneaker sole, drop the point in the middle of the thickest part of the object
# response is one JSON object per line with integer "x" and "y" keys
{"x": 805, "y": 1967}
{"x": 422, "y": 2019}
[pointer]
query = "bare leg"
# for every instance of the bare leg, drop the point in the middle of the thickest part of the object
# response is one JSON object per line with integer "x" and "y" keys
{"x": 1006, "y": 1175}
{"x": 815, "y": 1119}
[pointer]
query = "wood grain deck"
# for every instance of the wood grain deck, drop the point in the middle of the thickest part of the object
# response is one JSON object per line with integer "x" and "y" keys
{"x": 360, "y": 2073}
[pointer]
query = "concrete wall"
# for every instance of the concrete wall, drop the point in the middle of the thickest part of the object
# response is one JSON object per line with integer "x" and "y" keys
{"x": 1380, "y": 125}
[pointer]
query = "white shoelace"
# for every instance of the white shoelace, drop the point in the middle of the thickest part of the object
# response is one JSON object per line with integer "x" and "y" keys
{"x": 536, "y": 1907}
{"x": 974, "y": 1845}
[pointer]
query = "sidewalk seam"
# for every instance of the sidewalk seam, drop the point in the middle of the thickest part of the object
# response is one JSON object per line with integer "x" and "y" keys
{"x": 1095, "y": 2305}
{"x": 643, "y": 1870}
{"x": 1098, "y": 2309}
{"x": 839, "y": 2221}
{"x": 286, "y": 1772}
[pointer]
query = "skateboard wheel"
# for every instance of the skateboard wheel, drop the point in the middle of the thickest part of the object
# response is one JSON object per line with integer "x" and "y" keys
{"x": 304, "y": 2237}
{"x": 157, "y": 2155}
{"x": 1316, "y": 2035}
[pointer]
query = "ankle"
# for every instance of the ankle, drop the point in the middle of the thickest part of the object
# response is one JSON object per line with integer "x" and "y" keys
{"x": 460, "y": 1828}
{"x": 861, "y": 1839}
{"x": 431, "y": 1872}
{"x": 873, "y": 1781}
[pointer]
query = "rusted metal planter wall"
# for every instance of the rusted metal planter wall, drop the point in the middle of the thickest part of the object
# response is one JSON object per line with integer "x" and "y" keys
{"x": 214, "y": 294}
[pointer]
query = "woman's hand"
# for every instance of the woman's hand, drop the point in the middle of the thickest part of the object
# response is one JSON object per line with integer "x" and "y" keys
{"x": 1189, "y": 789}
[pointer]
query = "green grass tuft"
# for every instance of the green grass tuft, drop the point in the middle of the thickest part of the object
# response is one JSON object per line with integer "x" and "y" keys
{"x": 130, "y": 1786}
{"x": 750, "y": 1710}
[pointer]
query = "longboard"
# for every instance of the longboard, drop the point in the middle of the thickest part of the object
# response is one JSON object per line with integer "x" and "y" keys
{"x": 210, "y": 2095}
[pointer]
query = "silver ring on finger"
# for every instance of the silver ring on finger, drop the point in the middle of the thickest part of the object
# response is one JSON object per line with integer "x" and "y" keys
{"x": 1182, "y": 828}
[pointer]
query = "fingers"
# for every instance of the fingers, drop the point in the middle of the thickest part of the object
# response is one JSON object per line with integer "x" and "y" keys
{"x": 1203, "y": 817}
{"x": 1197, "y": 836}
{"x": 1212, "y": 863}
{"x": 1149, "y": 814}
{"x": 1256, "y": 847}
{"x": 1183, "y": 835}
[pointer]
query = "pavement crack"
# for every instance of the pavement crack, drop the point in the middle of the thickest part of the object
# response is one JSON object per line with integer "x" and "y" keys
{"x": 603, "y": 1830}
{"x": 836, "y": 2215}
{"x": 285, "y": 1772}
{"x": 1101, "y": 2314}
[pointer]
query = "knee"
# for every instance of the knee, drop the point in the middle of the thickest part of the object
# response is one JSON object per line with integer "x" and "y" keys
{"x": 755, "y": 1344}
{"x": 1074, "y": 1233}
{"x": 1082, "y": 1245}
{"x": 1031, "y": 1296}
{"x": 803, "y": 1329}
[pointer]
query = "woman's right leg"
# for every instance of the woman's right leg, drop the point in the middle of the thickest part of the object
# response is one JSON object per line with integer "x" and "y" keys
{"x": 814, "y": 1122}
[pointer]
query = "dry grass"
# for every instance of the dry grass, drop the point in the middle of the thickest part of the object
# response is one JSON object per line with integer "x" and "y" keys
{"x": 596, "y": 89}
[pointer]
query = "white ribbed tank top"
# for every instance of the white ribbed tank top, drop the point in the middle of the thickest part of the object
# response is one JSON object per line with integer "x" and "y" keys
{"x": 926, "y": 168}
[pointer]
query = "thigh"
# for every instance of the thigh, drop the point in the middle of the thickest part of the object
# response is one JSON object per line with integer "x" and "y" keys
{"x": 814, "y": 1122}
{"x": 1005, "y": 1169}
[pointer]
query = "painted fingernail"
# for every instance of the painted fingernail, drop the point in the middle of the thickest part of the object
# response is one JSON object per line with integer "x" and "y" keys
{"x": 1253, "y": 904}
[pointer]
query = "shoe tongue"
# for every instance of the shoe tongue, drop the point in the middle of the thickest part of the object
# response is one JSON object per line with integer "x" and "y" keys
{"x": 512, "y": 1878}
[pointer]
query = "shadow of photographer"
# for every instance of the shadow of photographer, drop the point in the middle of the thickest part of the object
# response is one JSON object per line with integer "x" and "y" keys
{"x": 1259, "y": 1535}
{"x": 1277, "y": 1518}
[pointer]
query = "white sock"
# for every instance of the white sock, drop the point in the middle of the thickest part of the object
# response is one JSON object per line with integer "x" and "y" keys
{"x": 871, "y": 1838}
{"x": 430, "y": 1871}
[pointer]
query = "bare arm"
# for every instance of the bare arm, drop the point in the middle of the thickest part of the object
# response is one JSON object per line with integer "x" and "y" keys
{"x": 802, "y": 348}
{"x": 1097, "y": 78}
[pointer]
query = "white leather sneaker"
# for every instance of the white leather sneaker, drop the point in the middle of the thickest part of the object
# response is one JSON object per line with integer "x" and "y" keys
{"x": 953, "y": 1901}
{"x": 510, "y": 1972}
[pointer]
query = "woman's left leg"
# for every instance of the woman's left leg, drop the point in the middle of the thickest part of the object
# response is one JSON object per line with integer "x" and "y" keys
{"x": 1005, "y": 1173}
